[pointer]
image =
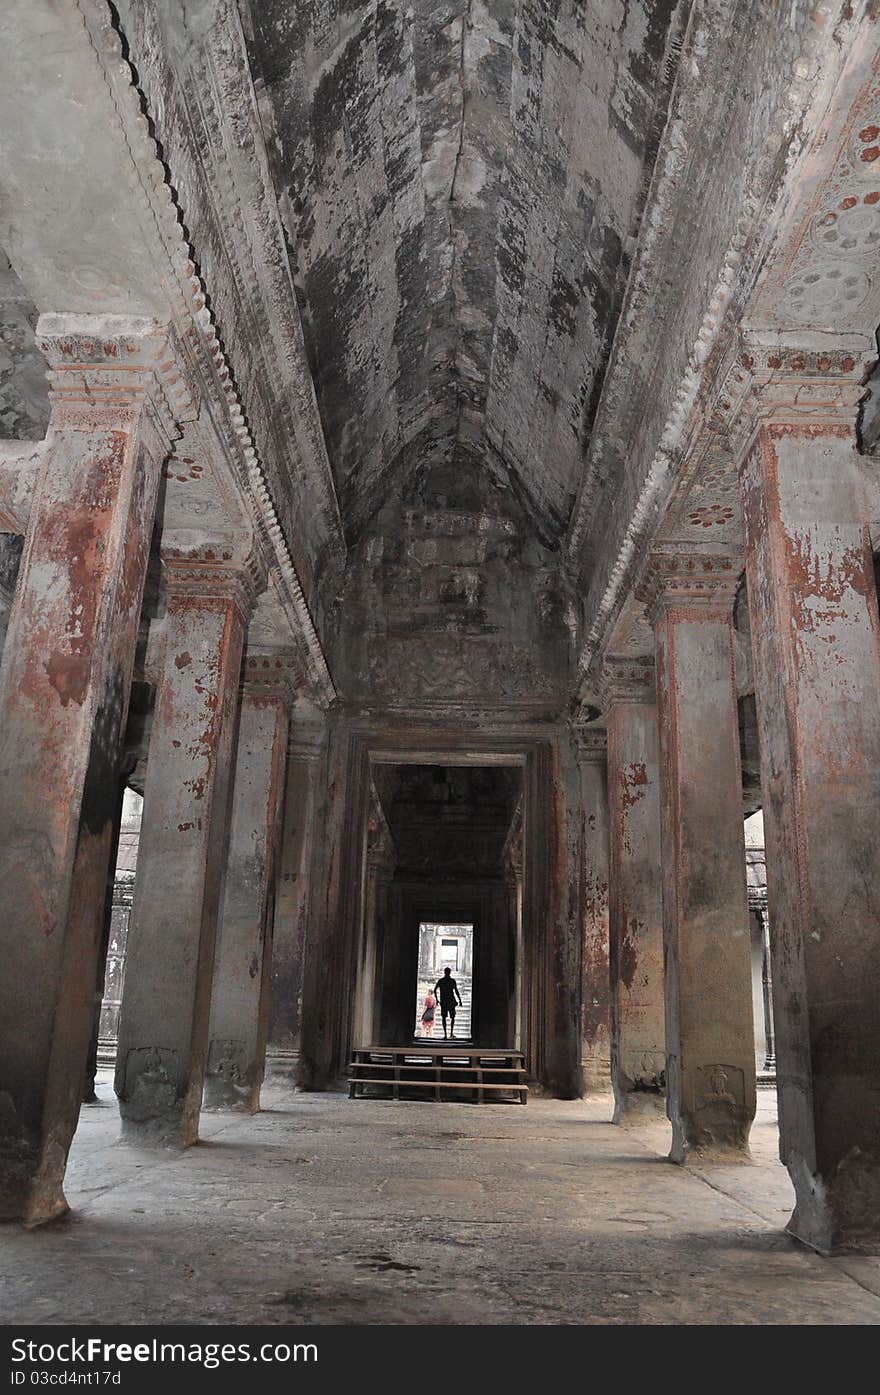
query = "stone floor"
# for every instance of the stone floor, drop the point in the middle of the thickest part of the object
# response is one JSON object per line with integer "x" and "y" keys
{"x": 323, "y": 1210}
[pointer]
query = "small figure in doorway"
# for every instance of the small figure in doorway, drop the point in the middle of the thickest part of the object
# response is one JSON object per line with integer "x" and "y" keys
{"x": 447, "y": 991}
{"x": 428, "y": 1014}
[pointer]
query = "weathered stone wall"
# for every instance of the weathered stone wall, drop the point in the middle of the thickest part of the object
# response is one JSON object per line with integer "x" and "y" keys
{"x": 450, "y": 599}
{"x": 24, "y": 391}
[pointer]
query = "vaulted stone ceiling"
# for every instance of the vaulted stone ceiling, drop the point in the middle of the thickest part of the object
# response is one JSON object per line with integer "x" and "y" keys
{"x": 461, "y": 183}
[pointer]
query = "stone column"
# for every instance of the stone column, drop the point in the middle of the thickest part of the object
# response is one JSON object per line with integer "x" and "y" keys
{"x": 512, "y": 863}
{"x": 816, "y": 651}
{"x": 710, "y": 1049}
{"x": 163, "y": 1029}
{"x": 243, "y": 959}
{"x": 378, "y": 859}
{"x": 291, "y": 914}
{"x": 635, "y": 908}
{"x": 362, "y": 1031}
{"x": 64, "y": 688}
{"x": 336, "y": 908}
{"x": 383, "y": 929}
{"x": 595, "y": 973}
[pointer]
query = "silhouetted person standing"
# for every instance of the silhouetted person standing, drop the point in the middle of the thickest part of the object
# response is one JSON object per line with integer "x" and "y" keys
{"x": 447, "y": 991}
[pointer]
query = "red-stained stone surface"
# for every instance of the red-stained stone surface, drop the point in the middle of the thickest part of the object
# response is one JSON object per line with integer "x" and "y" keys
{"x": 243, "y": 958}
{"x": 163, "y": 1031}
{"x": 709, "y": 1027}
{"x": 816, "y": 643}
{"x": 64, "y": 688}
{"x": 593, "y": 860}
{"x": 296, "y": 858}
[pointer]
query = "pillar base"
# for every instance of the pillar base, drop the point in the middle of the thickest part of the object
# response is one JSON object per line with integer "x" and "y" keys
{"x": 597, "y": 1074}
{"x": 158, "y": 1131}
{"x": 282, "y": 1064}
{"x": 155, "y": 1116}
{"x": 634, "y": 1107}
{"x": 843, "y": 1218}
{"x": 682, "y": 1154}
{"x": 720, "y": 1134}
{"x": 31, "y": 1191}
{"x": 231, "y": 1081}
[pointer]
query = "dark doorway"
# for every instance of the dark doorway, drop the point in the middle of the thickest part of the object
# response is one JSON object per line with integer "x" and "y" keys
{"x": 444, "y": 853}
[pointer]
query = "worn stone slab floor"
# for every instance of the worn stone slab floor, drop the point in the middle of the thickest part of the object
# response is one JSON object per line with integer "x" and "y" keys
{"x": 324, "y": 1210}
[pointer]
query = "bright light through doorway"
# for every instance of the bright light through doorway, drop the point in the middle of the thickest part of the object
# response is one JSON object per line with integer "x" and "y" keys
{"x": 444, "y": 946}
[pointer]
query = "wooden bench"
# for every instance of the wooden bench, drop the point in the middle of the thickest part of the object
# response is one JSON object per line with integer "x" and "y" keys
{"x": 435, "y": 1069}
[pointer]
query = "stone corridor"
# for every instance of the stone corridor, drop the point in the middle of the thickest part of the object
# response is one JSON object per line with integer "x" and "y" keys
{"x": 320, "y": 1210}
{"x": 440, "y": 478}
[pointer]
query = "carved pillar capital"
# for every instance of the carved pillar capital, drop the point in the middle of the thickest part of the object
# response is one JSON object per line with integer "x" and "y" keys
{"x": 591, "y": 745}
{"x": 626, "y": 680}
{"x": 812, "y": 380}
{"x": 274, "y": 673}
{"x": 207, "y": 574}
{"x": 107, "y": 369}
{"x": 690, "y": 581}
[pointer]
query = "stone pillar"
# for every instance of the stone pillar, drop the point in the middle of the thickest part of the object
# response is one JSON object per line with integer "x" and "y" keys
{"x": 512, "y": 864}
{"x": 292, "y": 899}
{"x": 362, "y": 1031}
{"x": 378, "y": 860}
{"x": 163, "y": 1029}
{"x": 243, "y": 959}
{"x": 635, "y": 908}
{"x": 710, "y": 1050}
{"x": 767, "y": 981}
{"x": 595, "y": 973}
{"x": 383, "y": 929}
{"x": 336, "y": 909}
{"x": 816, "y": 651}
{"x": 64, "y": 688}
{"x": 554, "y": 818}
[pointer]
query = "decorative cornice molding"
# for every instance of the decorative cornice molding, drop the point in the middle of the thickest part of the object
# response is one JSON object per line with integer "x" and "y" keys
{"x": 197, "y": 330}
{"x": 301, "y": 747}
{"x": 632, "y": 384}
{"x": 222, "y": 73}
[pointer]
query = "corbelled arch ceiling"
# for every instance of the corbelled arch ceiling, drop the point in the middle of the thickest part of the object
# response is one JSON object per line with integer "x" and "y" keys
{"x": 461, "y": 185}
